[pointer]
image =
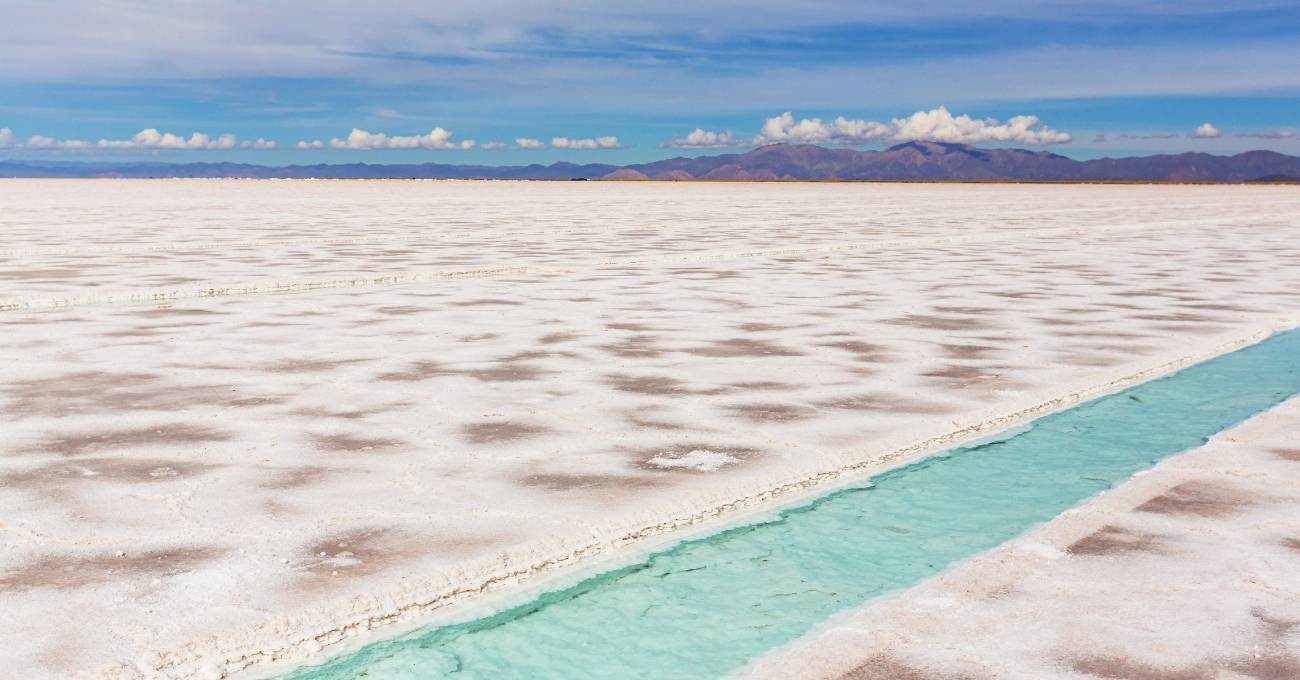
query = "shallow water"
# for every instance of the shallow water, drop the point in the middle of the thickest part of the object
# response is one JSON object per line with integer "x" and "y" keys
{"x": 705, "y": 607}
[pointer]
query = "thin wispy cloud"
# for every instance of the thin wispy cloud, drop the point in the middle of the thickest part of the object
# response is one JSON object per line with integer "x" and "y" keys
{"x": 1153, "y": 135}
{"x": 1270, "y": 134}
{"x": 78, "y": 39}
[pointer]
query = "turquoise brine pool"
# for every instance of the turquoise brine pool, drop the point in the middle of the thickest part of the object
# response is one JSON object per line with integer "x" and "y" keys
{"x": 705, "y": 607}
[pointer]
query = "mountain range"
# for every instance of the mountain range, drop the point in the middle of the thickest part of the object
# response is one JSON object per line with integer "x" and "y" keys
{"x": 915, "y": 161}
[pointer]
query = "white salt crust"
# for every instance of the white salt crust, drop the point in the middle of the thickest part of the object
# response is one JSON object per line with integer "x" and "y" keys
{"x": 172, "y": 472}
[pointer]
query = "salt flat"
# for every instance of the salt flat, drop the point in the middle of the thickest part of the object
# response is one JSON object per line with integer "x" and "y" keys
{"x": 243, "y": 420}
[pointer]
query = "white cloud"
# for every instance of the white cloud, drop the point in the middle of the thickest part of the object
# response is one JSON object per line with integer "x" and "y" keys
{"x": 585, "y": 144}
{"x": 937, "y": 125}
{"x": 940, "y": 126}
{"x": 153, "y": 139}
{"x": 43, "y": 142}
{"x": 145, "y": 139}
{"x": 493, "y": 146}
{"x": 705, "y": 139}
{"x": 528, "y": 143}
{"x": 784, "y": 128}
{"x": 360, "y": 140}
{"x": 1206, "y": 131}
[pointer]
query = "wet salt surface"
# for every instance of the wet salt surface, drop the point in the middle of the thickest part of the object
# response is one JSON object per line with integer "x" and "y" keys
{"x": 705, "y": 607}
{"x": 450, "y": 430}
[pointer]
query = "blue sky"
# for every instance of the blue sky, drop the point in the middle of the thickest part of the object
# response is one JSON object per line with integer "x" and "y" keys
{"x": 619, "y": 82}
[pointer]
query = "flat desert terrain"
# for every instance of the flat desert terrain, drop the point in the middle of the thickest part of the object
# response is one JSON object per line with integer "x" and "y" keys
{"x": 242, "y": 421}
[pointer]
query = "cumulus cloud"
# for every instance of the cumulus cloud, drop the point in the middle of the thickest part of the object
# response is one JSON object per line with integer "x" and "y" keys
{"x": 784, "y": 128}
{"x": 938, "y": 125}
{"x": 705, "y": 139}
{"x": 493, "y": 146}
{"x": 7, "y": 138}
{"x": 259, "y": 143}
{"x": 438, "y": 139}
{"x": 528, "y": 143}
{"x": 153, "y": 139}
{"x": 585, "y": 144}
{"x": 941, "y": 126}
{"x": 1206, "y": 131}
